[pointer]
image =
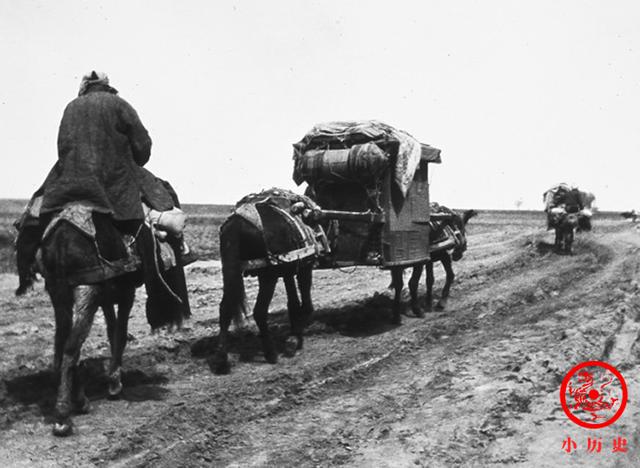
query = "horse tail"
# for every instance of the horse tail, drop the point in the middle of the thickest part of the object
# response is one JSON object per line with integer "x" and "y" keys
{"x": 234, "y": 299}
{"x": 55, "y": 257}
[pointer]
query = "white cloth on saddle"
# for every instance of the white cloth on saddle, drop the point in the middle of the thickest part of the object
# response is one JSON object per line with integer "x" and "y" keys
{"x": 172, "y": 221}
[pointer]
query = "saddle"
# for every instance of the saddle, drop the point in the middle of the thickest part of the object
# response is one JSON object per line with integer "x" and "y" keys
{"x": 283, "y": 218}
{"x": 443, "y": 235}
{"x": 116, "y": 253}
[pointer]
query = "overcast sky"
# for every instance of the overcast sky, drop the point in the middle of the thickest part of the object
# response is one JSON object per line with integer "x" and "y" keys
{"x": 518, "y": 95}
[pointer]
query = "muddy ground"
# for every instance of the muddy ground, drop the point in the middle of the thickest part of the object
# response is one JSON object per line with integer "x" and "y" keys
{"x": 476, "y": 385}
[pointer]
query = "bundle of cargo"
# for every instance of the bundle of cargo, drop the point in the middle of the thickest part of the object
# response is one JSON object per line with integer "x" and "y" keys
{"x": 375, "y": 176}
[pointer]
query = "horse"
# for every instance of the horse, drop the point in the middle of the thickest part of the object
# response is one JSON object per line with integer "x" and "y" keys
{"x": 241, "y": 241}
{"x": 631, "y": 215}
{"x": 564, "y": 228}
{"x": 65, "y": 251}
{"x": 457, "y": 223}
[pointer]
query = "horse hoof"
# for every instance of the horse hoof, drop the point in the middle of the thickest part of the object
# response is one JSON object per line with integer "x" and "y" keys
{"x": 83, "y": 407}
{"x": 417, "y": 311}
{"x": 62, "y": 429}
{"x": 22, "y": 290}
{"x": 115, "y": 389}
{"x": 291, "y": 345}
{"x": 439, "y": 307}
{"x": 115, "y": 384}
{"x": 219, "y": 365}
{"x": 272, "y": 358}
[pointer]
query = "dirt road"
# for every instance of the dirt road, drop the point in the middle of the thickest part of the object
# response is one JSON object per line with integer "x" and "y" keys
{"x": 476, "y": 385}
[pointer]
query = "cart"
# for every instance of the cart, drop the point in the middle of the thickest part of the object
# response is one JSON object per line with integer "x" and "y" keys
{"x": 372, "y": 182}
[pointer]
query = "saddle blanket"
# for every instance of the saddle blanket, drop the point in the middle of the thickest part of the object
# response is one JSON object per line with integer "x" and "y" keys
{"x": 281, "y": 216}
{"x": 101, "y": 268}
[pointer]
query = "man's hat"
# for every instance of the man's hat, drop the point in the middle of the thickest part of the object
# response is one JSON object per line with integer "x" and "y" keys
{"x": 92, "y": 78}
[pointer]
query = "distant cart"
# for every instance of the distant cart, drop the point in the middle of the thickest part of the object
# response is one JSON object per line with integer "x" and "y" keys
{"x": 371, "y": 182}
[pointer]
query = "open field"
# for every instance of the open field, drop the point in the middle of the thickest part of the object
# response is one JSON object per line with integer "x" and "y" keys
{"x": 201, "y": 233}
{"x": 476, "y": 385}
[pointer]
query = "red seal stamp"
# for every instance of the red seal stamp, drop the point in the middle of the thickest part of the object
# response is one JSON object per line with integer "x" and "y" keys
{"x": 593, "y": 394}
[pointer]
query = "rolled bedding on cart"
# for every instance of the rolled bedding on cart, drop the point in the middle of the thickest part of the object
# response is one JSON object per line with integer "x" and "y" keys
{"x": 359, "y": 151}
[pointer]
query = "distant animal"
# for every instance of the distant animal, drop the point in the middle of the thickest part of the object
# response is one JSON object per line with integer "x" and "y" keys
{"x": 455, "y": 226}
{"x": 568, "y": 210}
{"x": 565, "y": 225}
{"x": 241, "y": 241}
{"x": 65, "y": 252}
{"x": 632, "y": 215}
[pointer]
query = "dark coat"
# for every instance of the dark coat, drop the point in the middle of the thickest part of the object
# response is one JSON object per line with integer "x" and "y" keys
{"x": 101, "y": 146}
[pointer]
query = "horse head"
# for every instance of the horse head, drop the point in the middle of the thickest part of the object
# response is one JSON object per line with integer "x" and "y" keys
{"x": 460, "y": 223}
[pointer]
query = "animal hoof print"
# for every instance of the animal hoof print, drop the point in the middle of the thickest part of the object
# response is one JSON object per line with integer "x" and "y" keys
{"x": 62, "y": 429}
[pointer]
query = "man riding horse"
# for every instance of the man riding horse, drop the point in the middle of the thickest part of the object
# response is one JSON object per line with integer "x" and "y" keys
{"x": 102, "y": 146}
{"x": 96, "y": 221}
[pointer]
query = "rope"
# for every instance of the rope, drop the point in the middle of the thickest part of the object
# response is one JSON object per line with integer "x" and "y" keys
{"x": 157, "y": 267}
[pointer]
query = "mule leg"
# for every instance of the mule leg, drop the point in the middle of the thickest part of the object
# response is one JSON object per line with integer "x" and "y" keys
{"x": 571, "y": 237}
{"x": 125, "y": 303}
{"x": 219, "y": 363}
{"x": 62, "y": 300}
{"x": 450, "y": 276}
{"x": 305, "y": 278}
{"x": 414, "y": 281}
{"x": 430, "y": 280}
{"x": 294, "y": 309}
{"x": 267, "y": 285}
{"x": 85, "y": 304}
{"x": 397, "y": 281}
{"x": 110, "y": 321}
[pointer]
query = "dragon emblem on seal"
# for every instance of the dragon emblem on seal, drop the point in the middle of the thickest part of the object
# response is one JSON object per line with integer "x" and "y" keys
{"x": 589, "y": 398}
{"x": 593, "y": 394}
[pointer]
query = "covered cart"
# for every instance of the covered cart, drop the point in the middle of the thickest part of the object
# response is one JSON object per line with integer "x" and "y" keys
{"x": 371, "y": 181}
